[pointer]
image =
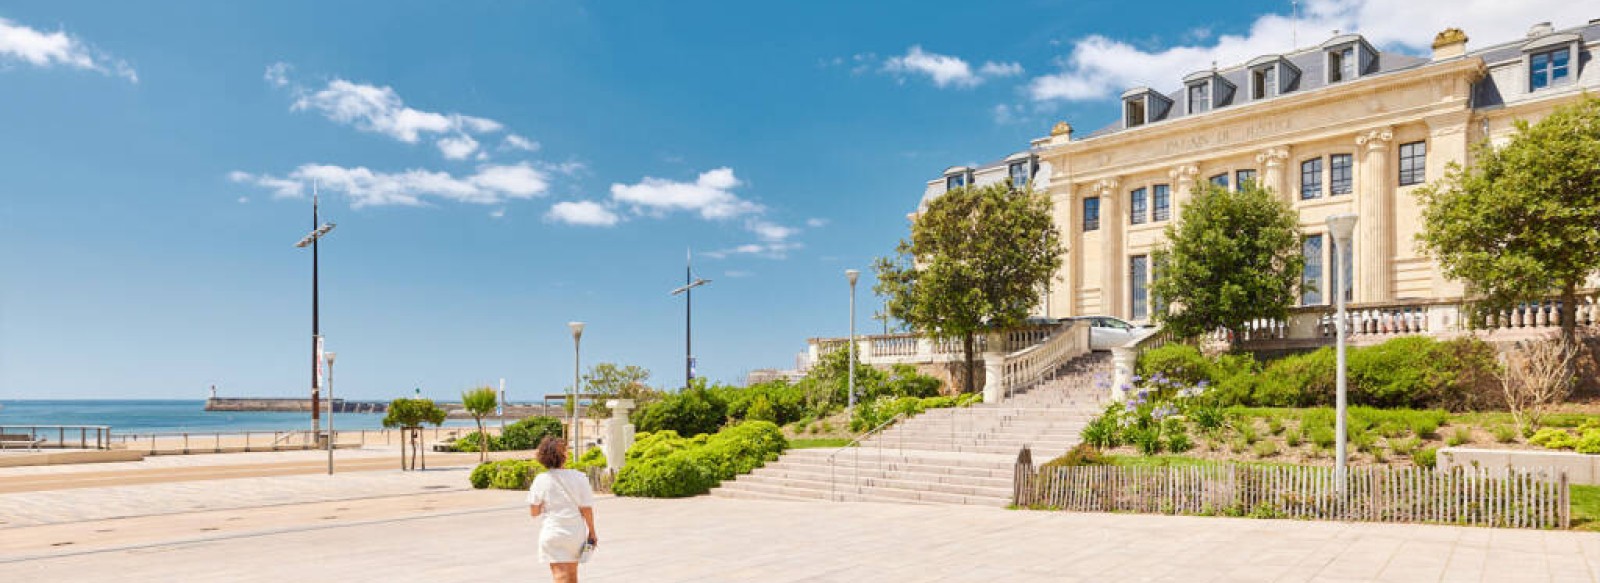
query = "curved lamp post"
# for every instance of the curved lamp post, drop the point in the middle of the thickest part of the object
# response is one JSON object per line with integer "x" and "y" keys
{"x": 852, "y": 275}
{"x": 577, "y": 334}
{"x": 1341, "y": 227}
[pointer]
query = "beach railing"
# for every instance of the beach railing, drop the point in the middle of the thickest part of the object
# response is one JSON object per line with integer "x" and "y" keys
{"x": 191, "y": 442}
{"x": 34, "y": 437}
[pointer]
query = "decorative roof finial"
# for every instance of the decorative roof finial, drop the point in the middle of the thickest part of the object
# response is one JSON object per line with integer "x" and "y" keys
{"x": 1449, "y": 36}
{"x": 1061, "y": 129}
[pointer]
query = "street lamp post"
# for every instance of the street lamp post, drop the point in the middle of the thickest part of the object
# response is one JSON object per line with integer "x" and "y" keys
{"x": 329, "y": 356}
{"x": 318, "y": 230}
{"x": 689, "y": 283}
{"x": 577, "y": 334}
{"x": 1341, "y": 227}
{"x": 851, "y": 275}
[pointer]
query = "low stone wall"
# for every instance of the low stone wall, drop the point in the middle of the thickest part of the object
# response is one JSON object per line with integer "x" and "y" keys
{"x": 59, "y": 457}
{"x": 1580, "y": 468}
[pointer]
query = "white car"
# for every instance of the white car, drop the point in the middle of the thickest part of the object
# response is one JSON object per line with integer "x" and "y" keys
{"x": 1107, "y": 332}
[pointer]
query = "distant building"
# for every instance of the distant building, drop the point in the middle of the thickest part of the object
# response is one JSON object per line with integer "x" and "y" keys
{"x": 1337, "y": 128}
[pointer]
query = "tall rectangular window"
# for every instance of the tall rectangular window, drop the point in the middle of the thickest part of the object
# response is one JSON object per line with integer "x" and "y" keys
{"x": 1339, "y": 177}
{"x": 1549, "y": 68}
{"x": 1342, "y": 65}
{"x": 1311, "y": 179}
{"x": 1019, "y": 174}
{"x": 1135, "y": 109}
{"x": 1244, "y": 177}
{"x": 1311, "y": 277}
{"x": 1220, "y": 180}
{"x": 1200, "y": 97}
{"x": 1161, "y": 196}
{"x": 1413, "y": 163}
{"x": 955, "y": 181}
{"x": 1091, "y": 213}
{"x": 1138, "y": 213}
{"x": 1264, "y": 82}
{"x": 1139, "y": 282}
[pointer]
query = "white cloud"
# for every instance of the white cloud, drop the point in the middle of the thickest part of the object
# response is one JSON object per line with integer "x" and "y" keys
{"x": 993, "y": 69}
{"x": 583, "y": 213}
{"x": 710, "y": 195}
{"x": 776, "y": 250}
{"x": 41, "y": 49}
{"x": 945, "y": 70}
{"x": 735, "y": 273}
{"x": 497, "y": 213}
{"x": 769, "y": 231}
{"x": 457, "y": 147}
{"x": 491, "y": 184}
{"x": 517, "y": 142}
{"x": 277, "y": 74}
{"x": 816, "y": 223}
{"x": 1099, "y": 67}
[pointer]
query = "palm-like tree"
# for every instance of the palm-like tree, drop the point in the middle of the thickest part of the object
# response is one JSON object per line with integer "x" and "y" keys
{"x": 409, "y": 415}
{"x": 480, "y": 403}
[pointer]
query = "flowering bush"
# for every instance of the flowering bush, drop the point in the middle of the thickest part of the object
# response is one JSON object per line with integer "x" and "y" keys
{"x": 1152, "y": 417}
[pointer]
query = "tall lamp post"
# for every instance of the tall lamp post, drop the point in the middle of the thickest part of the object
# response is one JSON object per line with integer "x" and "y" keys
{"x": 329, "y": 357}
{"x": 577, "y": 334}
{"x": 851, "y": 275}
{"x": 317, "y": 231}
{"x": 689, "y": 283}
{"x": 1341, "y": 227}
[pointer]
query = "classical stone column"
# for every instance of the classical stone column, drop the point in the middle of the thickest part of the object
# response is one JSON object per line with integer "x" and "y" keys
{"x": 1374, "y": 241}
{"x": 1182, "y": 177}
{"x": 1272, "y": 171}
{"x": 1111, "y": 220}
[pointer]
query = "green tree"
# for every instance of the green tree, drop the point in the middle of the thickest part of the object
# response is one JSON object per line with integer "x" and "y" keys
{"x": 480, "y": 403}
{"x": 976, "y": 260}
{"x": 611, "y": 381}
{"x": 1231, "y": 258}
{"x": 1522, "y": 223}
{"x": 409, "y": 415}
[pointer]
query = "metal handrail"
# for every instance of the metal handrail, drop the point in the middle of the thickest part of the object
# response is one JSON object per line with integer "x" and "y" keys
{"x": 36, "y": 438}
{"x": 833, "y": 469}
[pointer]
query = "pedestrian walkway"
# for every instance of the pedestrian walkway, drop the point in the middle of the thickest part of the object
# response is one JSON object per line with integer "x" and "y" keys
{"x": 709, "y": 539}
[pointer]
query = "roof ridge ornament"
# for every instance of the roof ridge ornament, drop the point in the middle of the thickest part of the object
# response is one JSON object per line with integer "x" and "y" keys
{"x": 1061, "y": 129}
{"x": 1449, "y": 36}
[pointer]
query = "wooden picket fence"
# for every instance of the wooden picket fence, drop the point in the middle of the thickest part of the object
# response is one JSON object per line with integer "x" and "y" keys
{"x": 1476, "y": 496}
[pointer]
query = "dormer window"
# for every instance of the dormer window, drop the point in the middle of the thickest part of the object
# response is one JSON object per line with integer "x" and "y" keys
{"x": 1342, "y": 64}
{"x": 955, "y": 181}
{"x": 1551, "y": 60}
{"x": 1271, "y": 76}
{"x": 1141, "y": 105}
{"x": 1019, "y": 174}
{"x": 1199, "y": 97}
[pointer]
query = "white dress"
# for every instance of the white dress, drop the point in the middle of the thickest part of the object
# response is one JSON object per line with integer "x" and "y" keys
{"x": 564, "y": 531}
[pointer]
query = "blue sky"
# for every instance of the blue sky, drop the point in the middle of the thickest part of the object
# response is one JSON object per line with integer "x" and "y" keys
{"x": 498, "y": 169}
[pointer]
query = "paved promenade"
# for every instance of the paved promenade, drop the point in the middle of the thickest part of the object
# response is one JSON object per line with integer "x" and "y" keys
{"x": 394, "y": 526}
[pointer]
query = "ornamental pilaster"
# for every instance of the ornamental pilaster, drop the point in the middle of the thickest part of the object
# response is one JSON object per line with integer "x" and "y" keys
{"x": 1111, "y": 245}
{"x": 1273, "y": 177}
{"x": 1183, "y": 176}
{"x": 1374, "y": 241}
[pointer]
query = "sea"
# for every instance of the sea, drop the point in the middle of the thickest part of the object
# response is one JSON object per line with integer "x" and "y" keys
{"x": 127, "y": 416}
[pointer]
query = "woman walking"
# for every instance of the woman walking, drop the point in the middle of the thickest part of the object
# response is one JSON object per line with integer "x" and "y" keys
{"x": 565, "y": 501}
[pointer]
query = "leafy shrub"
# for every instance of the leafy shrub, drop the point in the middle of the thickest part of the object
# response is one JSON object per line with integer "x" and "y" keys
{"x": 664, "y": 465}
{"x": 1206, "y": 416}
{"x": 776, "y": 401}
{"x": 761, "y": 410}
{"x": 1552, "y": 438}
{"x": 1082, "y": 454}
{"x": 871, "y": 414}
{"x": 1266, "y": 448}
{"x": 905, "y": 381}
{"x": 1405, "y": 446}
{"x": 1178, "y": 362}
{"x": 1275, "y": 425}
{"x": 1505, "y": 433}
{"x": 471, "y": 443}
{"x": 526, "y": 433}
{"x": 1179, "y": 442}
{"x": 1323, "y": 437}
{"x": 1292, "y": 439}
{"x": 1146, "y": 439}
{"x": 1299, "y": 380}
{"x": 1247, "y": 430}
{"x": 505, "y": 474}
{"x": 692, "y": 411}
{"x": 1462, "y": 434}
{"x": 1238, "y": 446}
{"x": 1589, "y": 443}
{"x": 1102, "y": 431}
{"x": 594, "y": 458}
{"x": 1428, "y": 457}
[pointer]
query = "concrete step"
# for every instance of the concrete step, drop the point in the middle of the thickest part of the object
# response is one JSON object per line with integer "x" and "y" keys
{"x": 823, "y": 474}
{"x": 860, "y": 494}
{"x": 794, "y": 484}
{"x": 933, "y": 472}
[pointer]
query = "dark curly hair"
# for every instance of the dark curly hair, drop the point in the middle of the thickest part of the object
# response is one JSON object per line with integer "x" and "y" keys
{"x": 552, "y": 452}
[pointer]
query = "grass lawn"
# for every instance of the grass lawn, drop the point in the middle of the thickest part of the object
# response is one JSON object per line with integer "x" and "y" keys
{"x": 818, "y": 443}
{"x": 1586, "y": 508}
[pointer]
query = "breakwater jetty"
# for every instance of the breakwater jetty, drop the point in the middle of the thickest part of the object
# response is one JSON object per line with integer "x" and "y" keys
{"x": 292, "y": 405}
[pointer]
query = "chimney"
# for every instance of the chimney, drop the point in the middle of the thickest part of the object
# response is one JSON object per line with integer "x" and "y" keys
{"x": 1540, "y": 29}
{"x": 1062, "y": 129}
{"x": 1449, "y": 43}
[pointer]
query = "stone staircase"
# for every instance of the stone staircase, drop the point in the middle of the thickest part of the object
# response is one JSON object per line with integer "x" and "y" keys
{"x": 943, "y": 456}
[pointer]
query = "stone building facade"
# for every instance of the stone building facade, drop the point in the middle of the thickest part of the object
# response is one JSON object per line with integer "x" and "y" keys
{"x": 1337, "y": 128}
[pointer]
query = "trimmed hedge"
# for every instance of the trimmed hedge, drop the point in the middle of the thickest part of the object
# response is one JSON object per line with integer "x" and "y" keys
{"x": 692, "y": 411}
{"x": 525, "y": 434}
{"x": 665, "y": 465}
{"x": 1409, "y": 371}
{"x": 505, "y": 474}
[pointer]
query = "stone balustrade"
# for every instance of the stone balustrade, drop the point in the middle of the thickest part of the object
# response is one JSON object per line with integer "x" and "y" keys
{"x": 891, "y": 349}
